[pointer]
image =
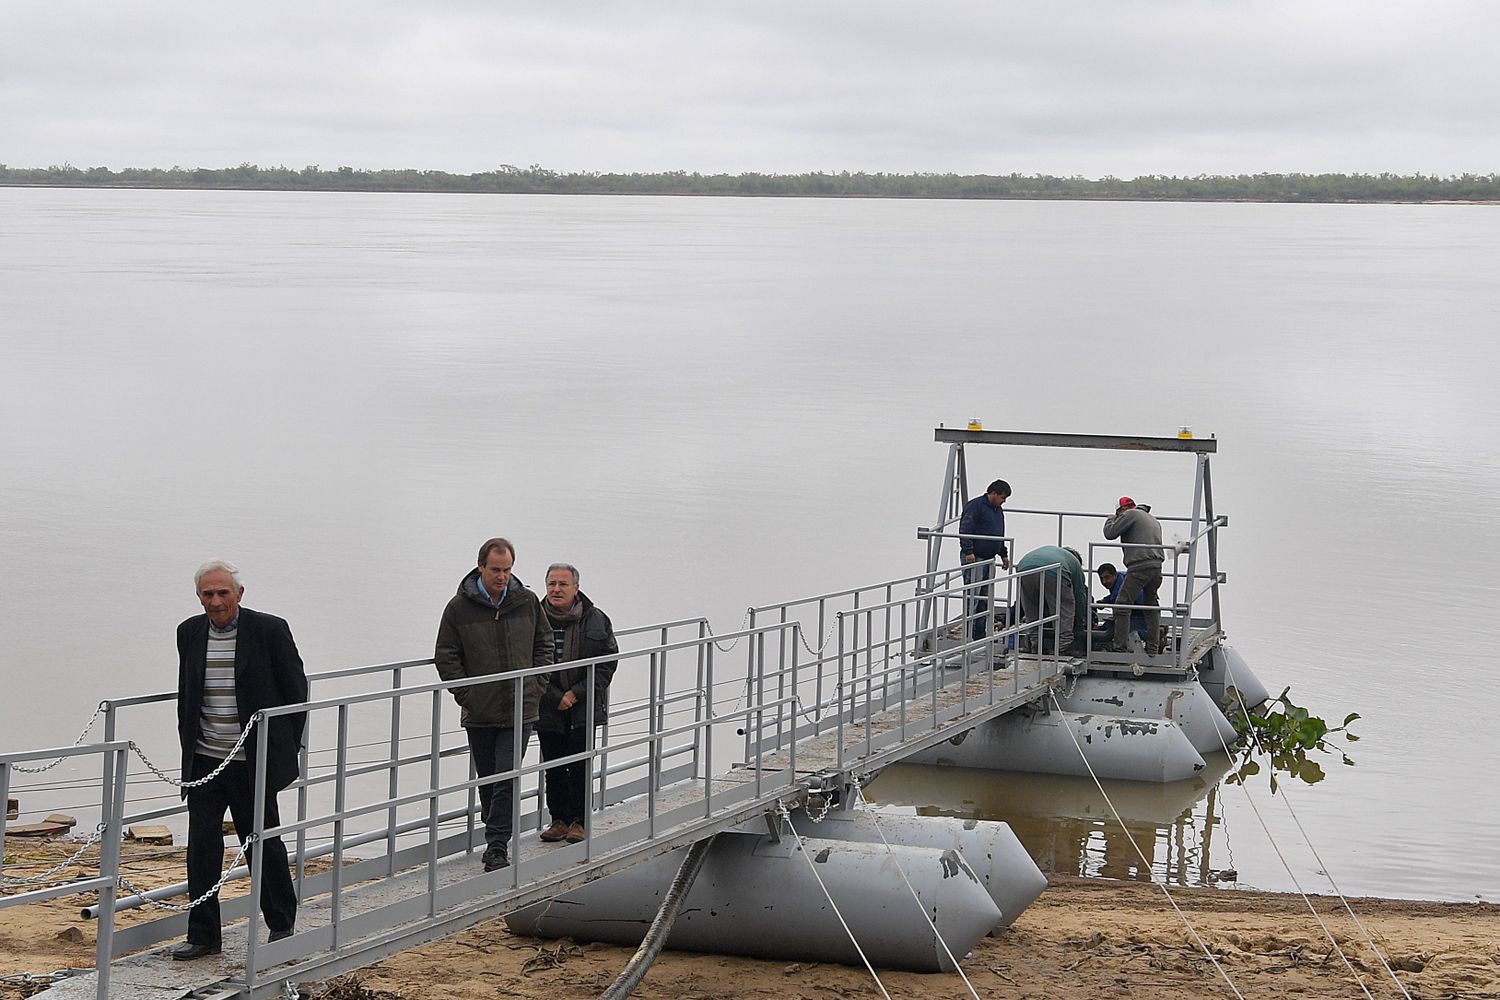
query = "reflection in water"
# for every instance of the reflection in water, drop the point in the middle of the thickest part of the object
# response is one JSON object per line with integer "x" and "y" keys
{"x": 1068, "y": 827}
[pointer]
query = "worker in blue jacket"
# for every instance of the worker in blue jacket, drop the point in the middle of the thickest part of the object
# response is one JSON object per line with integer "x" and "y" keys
{"x": 982, "y": 526}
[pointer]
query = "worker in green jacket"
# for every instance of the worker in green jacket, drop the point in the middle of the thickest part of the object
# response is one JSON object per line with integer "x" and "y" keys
{"x": 1040, "y": 598}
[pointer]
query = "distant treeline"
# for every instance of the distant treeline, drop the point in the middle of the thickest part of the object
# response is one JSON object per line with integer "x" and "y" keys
{"x": 535, "y": 179}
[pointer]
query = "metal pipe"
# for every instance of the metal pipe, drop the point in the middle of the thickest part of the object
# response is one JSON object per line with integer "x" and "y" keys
{"x": 661, "y": 926}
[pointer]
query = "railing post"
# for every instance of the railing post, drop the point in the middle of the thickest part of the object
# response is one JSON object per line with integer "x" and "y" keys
{"x": 340, "y": 799}
{"x": 304, "y": 761}
{"x": 792, "y": 706}
{"x": 393, "y": 787}
{"x": 708, "y": 732}
{"x": 749, "y": 679}
{"x": 112, "y": 816}
{"x": 653, "y": 763}
{"x": 435, "y": 782}
{"x": 1192, "y": 566}
{"x": 257, "y": 846}
{"x": 4, "y": 797}
{"x": 590, "y": 719}
{"x": 758, "y": 649}
{"x": 781, "y": 637}
{"x": 704, "y": 693}
{"x": 838, "y": 623}
{"x": 819, "y": 658}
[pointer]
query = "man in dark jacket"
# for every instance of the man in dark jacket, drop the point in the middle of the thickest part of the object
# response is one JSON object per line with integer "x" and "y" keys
{"x": 580, "y": 631}
{"x": 984, "y": 516}
{"x": 494, "y": 625}
{"x": 231, "y": 663}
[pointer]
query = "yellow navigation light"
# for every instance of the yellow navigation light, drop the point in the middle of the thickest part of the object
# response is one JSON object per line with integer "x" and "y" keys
{"x": 975, "y": 424}
{"x": 1185, "y": 432}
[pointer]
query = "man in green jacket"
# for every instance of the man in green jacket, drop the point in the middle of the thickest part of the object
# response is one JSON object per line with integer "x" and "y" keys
{"x": 1039, "y": 594}
{"x": 494, "y": 625}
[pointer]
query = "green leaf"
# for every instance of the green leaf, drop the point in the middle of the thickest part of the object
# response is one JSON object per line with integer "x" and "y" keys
{"x": 1350, "y": 717}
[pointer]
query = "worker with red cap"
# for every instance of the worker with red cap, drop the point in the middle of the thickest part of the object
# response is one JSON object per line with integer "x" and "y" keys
{"x": 1140, "y": 534}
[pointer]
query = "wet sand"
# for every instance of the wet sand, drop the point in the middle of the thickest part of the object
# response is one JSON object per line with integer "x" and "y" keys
{"x": 1084, "y": 938}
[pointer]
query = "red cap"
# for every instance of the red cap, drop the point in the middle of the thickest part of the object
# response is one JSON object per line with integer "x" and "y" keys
{"x": 1125, "y": 502}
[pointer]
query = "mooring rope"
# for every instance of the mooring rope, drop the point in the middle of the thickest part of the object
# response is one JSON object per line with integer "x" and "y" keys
{"x": 1369, "y": 940}
{"x": 1150, "y": 871}
{"x": 860, "y": 794}
{"x": 786, "y": 817}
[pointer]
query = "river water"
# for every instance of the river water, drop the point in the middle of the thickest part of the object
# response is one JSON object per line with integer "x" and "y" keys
{"x": 712, "y": 403}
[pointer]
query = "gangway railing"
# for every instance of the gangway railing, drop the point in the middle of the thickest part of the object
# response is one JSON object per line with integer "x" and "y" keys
{"x": 113, "y": 758}
{"x": 877, "y": 681}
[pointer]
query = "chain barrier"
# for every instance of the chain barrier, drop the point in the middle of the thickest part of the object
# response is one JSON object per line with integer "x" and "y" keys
{"x": 157, "y": 904}
{"x": 50, "y": 873}
{"x": 744, "y": 623}
{"x": 41, "y": 978}
{"x": 98, "y": 834}
{"x": 210, "y": 776}
{"x": 47, "y": 767}
{"x": 825, "y": 805}
{"x": 802, "y": 635}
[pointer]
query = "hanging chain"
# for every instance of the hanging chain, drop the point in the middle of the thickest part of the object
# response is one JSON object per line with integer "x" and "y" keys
{"x": 48, "y": 875}
{"x": 86, "y": 730}
{"x": 826, "y": 639}
{"x": 729, "y": 648}
{"x": 184, "y": 907}
{"x": 210, "y": 776}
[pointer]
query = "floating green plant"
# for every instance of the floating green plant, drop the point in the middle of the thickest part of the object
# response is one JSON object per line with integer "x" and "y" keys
{"x": 1285, "y": 733}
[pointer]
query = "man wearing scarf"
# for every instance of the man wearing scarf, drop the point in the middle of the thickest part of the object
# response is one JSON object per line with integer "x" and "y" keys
{"x": 580, "y": 631}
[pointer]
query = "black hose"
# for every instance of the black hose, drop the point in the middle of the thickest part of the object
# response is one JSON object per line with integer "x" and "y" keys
{"x": 656, "y": 935}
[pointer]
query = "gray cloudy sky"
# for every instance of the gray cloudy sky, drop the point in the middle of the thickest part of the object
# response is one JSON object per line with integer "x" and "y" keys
{"x": 1120, "y": 87}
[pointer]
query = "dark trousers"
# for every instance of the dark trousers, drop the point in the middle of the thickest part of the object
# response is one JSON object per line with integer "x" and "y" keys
{"x": 232, "y": 790}
{"x": 494, "y": 752}
{"x": 566, "y": 783}
{"x": 976, "y": 602}
{"x": 1039, "y": 598}
{"x": 1140, "y": 580}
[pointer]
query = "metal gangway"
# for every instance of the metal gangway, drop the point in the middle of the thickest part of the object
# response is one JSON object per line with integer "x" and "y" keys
{"x": 801, "y": 704}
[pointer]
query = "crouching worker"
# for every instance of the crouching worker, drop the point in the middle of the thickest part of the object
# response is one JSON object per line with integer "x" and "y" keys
{"x": 580, "y": 631}
{"x": 1040, "y": 598}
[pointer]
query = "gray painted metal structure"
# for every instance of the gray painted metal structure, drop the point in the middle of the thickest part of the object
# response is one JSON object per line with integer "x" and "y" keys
{"x": 807, "y": 721}
{"x": 1193, "y": 631}
{"x": 819, "y": 694}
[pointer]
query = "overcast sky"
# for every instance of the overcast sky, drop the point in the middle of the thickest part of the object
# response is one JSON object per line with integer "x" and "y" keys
{"x": 1122, "y": 87}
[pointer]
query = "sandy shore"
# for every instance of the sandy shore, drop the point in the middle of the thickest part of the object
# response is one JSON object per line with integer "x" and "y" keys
{"x": 1084, "y": 938}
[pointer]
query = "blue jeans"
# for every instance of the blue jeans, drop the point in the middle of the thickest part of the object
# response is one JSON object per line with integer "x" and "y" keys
{"x": 494, "y": 752}
{"x": 977, "y": 601}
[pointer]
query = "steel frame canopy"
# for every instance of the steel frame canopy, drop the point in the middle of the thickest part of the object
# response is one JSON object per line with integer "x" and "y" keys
{"x": 956, "y": 489}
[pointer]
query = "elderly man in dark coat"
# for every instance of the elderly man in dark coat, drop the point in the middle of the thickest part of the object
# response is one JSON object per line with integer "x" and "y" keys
{"x": 580, "y": 631}
{"x": 231, "y": 663}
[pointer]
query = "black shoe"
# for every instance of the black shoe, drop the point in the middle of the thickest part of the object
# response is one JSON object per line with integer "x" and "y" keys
{"x": 495, "y": 860}
{"x": 279, "y": 935}
{"x": 187, "y": 951}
